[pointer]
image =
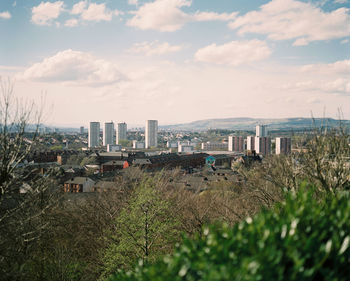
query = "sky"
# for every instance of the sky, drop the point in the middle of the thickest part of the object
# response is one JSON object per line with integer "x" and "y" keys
{"x": 178, "y": 60}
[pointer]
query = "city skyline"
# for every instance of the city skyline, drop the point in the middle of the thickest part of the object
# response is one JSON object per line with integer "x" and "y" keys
{"x": 177, "y": 61}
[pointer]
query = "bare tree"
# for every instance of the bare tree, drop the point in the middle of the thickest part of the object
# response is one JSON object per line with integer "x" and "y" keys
{"x": 23, "y": 216}
{"x": 17, "y": 116}
{"x": 325, "y": 162}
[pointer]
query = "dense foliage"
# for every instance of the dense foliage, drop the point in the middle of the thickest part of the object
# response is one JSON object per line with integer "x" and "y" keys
{"x": 145, "y": 228}
{"x": 304, "y": 238}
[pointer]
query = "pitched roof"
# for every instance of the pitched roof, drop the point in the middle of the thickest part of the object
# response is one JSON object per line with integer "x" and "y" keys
{"x": 78, "y": 180}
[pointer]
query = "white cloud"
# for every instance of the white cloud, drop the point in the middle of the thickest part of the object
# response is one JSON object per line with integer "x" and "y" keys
{"x": 336, "y": 68}
{"x": 209, "y": 16}
{"x": 73, "y": 67}
{"x": 339, "y": 85}
{"x": 78, "y": 8}
{"x": 333, "y": 86}
{"x": 326, "y": 78}
{"x": 154, "y": 48}
{"x": 234, "y": 53}
{"x": 71, "y": 22}
{"x": 162, "y": 15}
{"x": 344, "y": 41}
{"x": 167, "y": 15}
{"x": 5, "y": 15}
{"x": 96, "y": 12}
{"x": 290, "y": 19}
{"x": 340, "y": 1}
{"x": 46, "y": 12}
{"x": 93, "y": 11}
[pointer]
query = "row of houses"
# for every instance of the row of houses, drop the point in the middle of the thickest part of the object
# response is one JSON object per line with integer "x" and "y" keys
{"x": 86, "y": 184}
{"x": 121, "y": 160}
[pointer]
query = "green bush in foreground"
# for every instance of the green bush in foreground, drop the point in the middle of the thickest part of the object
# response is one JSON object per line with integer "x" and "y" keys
{"x": 302, "y": 239}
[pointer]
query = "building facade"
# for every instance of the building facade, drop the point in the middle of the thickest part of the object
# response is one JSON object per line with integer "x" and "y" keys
{"x": 263, "y": 145}
{"x": 82, "y": 130}
{"x": 250, "y": 143}
{"x": 261, "y": 131}
{"x": 214, "y": 146}
{"x": 151, "y": 133}
{"x": 236, "y": 143}
{"x": 79, "y": 184}
{"x": 138, "y": 144}
{"x": 114, "y": 147}
{"x": 108, "y": 134}
{"x": 94, "y": 134}
{"x": 121, "y": 132}
{"x": 185, "y": 148}
{"x": 283, "y": 145}
{"x": 172, "y": 144}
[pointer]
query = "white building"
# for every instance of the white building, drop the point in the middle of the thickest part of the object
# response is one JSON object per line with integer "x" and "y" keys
{"x": 263, "y": 145}
{"x": 121, "y": 132}
{"x": 94, "y": 134}
{"x": 114, "y": 147}
{"x": 283, "y": 145}
{"x": 151, "y": 133}
{"x": 236, "y": 143}
{"x": 172, "y": 144}
{"x": 261, "y": 131}
{"x": 250, "y": 143}
{"x": 138, "y": 144}
{"x": 214, "y": 145}
{"x": 108, "y": 134}
{"x": 185, "y": 148}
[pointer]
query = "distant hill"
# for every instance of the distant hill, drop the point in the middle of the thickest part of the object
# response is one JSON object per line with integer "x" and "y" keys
{"x": 250, "y": 123}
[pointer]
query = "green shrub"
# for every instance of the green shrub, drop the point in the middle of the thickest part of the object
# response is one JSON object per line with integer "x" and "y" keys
{"x": 302, "y": 239}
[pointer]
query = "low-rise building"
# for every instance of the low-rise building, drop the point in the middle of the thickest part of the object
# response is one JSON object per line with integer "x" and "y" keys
{"x": 185, "y": 148}
{"x": 79, "y": 184}
{"x": 138, "y": 144}
{"x": 114, "y": 147}
{"x": 114, "y": 165}
{"x": 214, "y": 145}
{"x": 170, "y": 144}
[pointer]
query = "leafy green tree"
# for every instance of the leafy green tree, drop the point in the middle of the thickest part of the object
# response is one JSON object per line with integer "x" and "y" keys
{"x": 145, "y": 228}
{"x": 304, "y": 238}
